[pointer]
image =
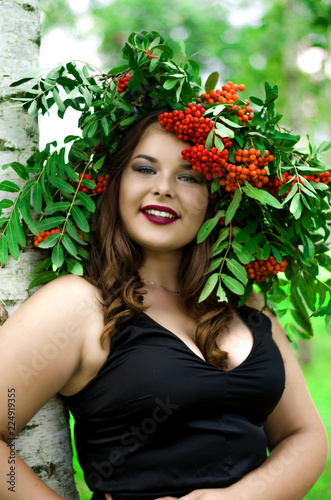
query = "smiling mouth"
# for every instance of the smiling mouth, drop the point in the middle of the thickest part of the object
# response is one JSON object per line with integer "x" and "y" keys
{"x": 159, "y": 213}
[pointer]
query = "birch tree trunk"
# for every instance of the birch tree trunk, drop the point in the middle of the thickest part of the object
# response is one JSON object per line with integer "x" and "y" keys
{"x": 45, "y": 442}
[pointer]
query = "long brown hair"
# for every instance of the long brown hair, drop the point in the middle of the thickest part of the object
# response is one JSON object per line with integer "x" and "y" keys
{"x": 115, "y": 261}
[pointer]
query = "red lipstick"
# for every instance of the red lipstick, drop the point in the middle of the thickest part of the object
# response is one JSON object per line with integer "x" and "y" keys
{"x": 155, "y": 218}
{"x": 161, "y": 209}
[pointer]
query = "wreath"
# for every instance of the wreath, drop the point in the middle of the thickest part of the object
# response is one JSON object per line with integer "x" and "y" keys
{"x": 273, "y": 211}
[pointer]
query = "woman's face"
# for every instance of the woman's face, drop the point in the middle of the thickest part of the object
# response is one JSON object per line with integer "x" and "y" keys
{"x": 162, "y": 200}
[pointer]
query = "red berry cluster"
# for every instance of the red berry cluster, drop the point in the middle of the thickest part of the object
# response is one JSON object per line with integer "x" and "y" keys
{"x": 253, "y": 157}
{"x": 189, "y": 125}
{"x": 275, "y": 184}
{"x": 43, "y": 235}
{"x": 122, "y": 83}
{"x": 228, "y": 95}
{"x": 244, "y": 114}
{"x": 261, "y": 269}
{"x": 100, "y": 184}
{"x": 149, "y": 55}
{"x": 210, "y": 163}
{"x": 250, "y": 168}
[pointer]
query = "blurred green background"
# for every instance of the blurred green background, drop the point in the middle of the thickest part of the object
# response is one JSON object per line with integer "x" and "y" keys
{"x": 284, "y": 42}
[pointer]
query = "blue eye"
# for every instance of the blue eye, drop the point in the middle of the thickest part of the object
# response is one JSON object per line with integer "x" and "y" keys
{"x": 189, "y": 178}
{"x": 143, "y": 170}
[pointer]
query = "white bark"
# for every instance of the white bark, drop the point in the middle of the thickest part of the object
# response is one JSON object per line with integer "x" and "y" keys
{"x": 45, "y": 442}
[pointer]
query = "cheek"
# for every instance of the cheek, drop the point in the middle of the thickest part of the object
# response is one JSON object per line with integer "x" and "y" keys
{"x": 198, "y": 206}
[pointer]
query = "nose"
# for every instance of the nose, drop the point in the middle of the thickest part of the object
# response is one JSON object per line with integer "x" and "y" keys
{"x": 163, "y": 186}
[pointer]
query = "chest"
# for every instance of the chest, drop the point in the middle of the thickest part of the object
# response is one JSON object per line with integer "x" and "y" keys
{"x": 237, "y": 342}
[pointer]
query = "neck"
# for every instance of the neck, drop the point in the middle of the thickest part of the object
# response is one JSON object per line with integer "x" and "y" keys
{"x": 162, "y": 269}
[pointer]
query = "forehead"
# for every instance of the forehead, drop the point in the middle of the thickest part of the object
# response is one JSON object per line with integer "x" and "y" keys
{"x": 158, "y": 142}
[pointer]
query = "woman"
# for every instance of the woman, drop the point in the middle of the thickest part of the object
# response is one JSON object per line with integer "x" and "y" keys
{"x": 180, "y": 398}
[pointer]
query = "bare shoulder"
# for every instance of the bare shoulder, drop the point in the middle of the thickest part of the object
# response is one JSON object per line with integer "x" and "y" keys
{"x": 41, "y": 344}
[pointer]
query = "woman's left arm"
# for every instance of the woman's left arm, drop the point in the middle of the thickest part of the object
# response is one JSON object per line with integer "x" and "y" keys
{"x": 297, "y": 438}
{"x": 297, "y": 442}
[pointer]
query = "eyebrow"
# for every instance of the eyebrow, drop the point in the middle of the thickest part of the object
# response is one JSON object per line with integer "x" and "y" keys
{"x": 154, "y": 160}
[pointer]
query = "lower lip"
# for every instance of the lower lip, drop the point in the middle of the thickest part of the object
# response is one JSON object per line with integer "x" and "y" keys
{"x": 158, "y": 220}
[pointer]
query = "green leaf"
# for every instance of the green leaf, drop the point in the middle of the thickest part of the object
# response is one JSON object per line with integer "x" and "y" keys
{"x": 293, "y": 191}
{"x": 50, "y": 241}
{"x": 244, "y": 258}
{"x": 207, "y": 227}
{"x": 74, "y": 267}
{"x": 70, "y": 246}
{"x": 42, "y": 279}
{"x": 209, "y": 287}
{"x": 218, "y": 143}
{"x": 270, "y": 199}
{"x": 256, "y": 100}
{"x": 80, "y": 219}
{"x": 49, "y": 223}
{"x": 170, "y": 83}
{"x": 12, "y": 238}
{"x": 128, "y": 121}
{"x": 222, "y": 297}
{"x": 57, "y": 206}
{"x": 72, "y": 231}
{"x": 217, "y": 110}
{"x": 319, "y": 186}
{"x": 21, "y": 81}
{"x": 86, "y": 201}
{"x": 92, "y": 130}
{"x": 58, "y": 100}
{"x": 15, "y": 219}
{"x": 232, "y": 208}
{"x": 214, "y": 265}
{"x": 252, "y": 242}
{"x": 266, "y": 251}
{"x": 59, "y": 183}
{"x": 230, "y": 122}
{"x": 87, "y": 96}
{"x": 212, "y": 81}
{"x": 295, "y": 203}
{"x": 224, "y": 131}
{"x": 253, "y": 192}
{"x": 3, "y": 249}
{"x": 238, "y": 270}
{"x": 6, "y": 203}
{"x": 27, "y": 217}
{"x": 232, "y": 284}
{"x": 105, "y": 125}
{"x": 3, "y": 220}
{"x": 224, "y": 233}
{"x": 303, "y": 321}
{"x": 286, "y": 187}
{"x": 219, "y": 249}
{"x": 37, "y": 198}
{"x": 277, "y": 254}
{"x": 70, "y": 138}
{"x": 57, "y": 256}
{"x": 247, "y": 231}
{"x": 82, "y": 252}
{"x": 43, "y": 265}
{"x": 19, "y": 169}
{"x": 32, "y": 108}
{"x": 209, "y": 140}
{"x": 98, "y": 164}
{"x": 9, "y": 187}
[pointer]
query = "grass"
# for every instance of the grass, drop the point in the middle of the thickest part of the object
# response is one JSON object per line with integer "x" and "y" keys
{"x": 317, "y": 374}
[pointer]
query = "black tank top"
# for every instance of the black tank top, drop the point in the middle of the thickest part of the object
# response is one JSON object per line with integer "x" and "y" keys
{"x": 158, "y": 420}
